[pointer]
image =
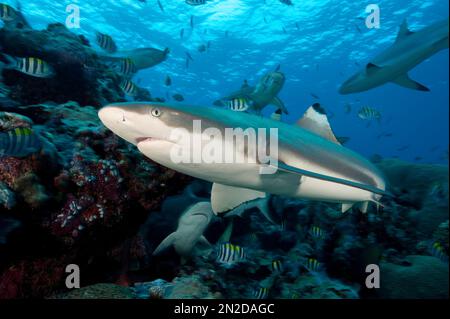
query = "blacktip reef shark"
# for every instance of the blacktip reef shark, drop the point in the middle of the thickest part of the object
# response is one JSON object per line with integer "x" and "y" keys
{"x": 392, "y": 65}
{"x": 189, "y": 234}
{"x": 263, "y": 94}
{"x": 311, "y": 164}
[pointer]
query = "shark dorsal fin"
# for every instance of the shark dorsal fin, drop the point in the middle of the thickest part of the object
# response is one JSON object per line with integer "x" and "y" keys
{"x": 404, "y": 31}
{"x": 371, "y": 68}
{"x": 315, "y": 120}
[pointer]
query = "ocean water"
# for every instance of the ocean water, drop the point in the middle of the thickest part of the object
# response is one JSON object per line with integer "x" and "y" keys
{"x": 321, "y": 46}
{"x": 73, "y": 193}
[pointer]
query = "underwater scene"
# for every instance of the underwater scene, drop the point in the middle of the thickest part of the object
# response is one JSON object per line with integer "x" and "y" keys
{"x": 224, "y": 149}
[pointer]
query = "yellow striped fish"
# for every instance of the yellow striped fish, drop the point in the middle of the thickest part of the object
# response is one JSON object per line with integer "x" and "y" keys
{"x": 239, "y": 104}
{"x": 369, "y": 113}
{"x": 317, "y": 232}
{"x": 7, "y": 13}
{"x": 19, "y": 142}
{"x": 230, "y": 254}
{"x": 277, "y": 266}
{"x": 128, "y": 87}
{"x": 106, "y": 42}
{"x": 126, "y": 67}
{"x": 438, "y": 251}
{"x": 261, "y": 293}
{"x": 313, "y": 265}
{"x": 31, "y": 66}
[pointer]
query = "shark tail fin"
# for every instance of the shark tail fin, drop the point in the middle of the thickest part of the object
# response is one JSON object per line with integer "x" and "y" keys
{"x": 226, "y": 236}
{"x": 166, "y": 243}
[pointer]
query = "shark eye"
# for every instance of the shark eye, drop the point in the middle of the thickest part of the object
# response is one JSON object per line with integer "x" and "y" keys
{"x": 156, "y": 112}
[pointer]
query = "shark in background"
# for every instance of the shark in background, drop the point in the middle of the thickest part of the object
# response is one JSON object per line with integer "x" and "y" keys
{"x": 189, "y": 234}
{"x": 392, "y": 65}
{"x": 311, "y": 164}
{"x": 261, "y": 95}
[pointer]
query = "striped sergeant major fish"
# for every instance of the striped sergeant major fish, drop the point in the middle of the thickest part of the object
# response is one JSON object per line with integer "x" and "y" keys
{"x": 313, "y": 265}
{"x": 239, "y": 104}
{"x": 31, "y": 66}
{"x": 261, "y": 293}
{"x": 106, "y": 42}
{"x": 196, "y": 2}
{"x": 276, "y": 266}
{"x": 230, "y": 254}
{"x": 317, "y": 232}
{"x": 7, "y": 13}
{"x": 126, "y": 67}
{"x": 19, "y": 142}
{"x": 369, "y": 113}
{"x": 438, "y": 251}
{"x": 128, "y": 87}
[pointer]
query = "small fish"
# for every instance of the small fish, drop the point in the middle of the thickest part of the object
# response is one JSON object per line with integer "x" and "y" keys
{"x": 19, "y": 142}
{"x": 313, "y": 265}
{"x": 188, "y": 55}
{"x": 31, "y": 66}
{"x": 181, "y": 33}
{"x": 230, "y": 254}
{"x": 239, "y": 104}
{"x": 438, "y": 251}
{"x": 126, "y": 67}
{"x": 196, "y": 2}
{"x": 276, "y": 266}
{"x": 287, "y": 2}
{"x": 317, "y": 232}
{"x": 261, "y": 293}
{"x": 192, "y": 22}
{"x": 168, "y": 81}
{"x": 160, "y": 6}
{"x": 7, "y": 13}
{"x": 315, "y": 96}
{"x": 278, "y": 68}
{"x": 208, "y": 44}
{"x": 402, "y": 148}
{"x": 297, "y": 26}
{"x": 128, "y": 87}
{"x": 178, "y": 97}
{"x": 202, "y": 48}
{"x": 106, "y": 42}
{"x": 369, "y": 113}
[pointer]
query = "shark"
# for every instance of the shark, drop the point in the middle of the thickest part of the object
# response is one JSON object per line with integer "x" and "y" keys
{"x": 264, "y": 93}
{"x": 392, "y": 65}
{"x": 189, "y": 234}
{"x": 142, "y": 58}
{"x": 310, "y": 162}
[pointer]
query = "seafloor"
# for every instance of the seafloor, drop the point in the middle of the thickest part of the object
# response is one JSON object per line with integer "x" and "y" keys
{"x": 90, "y": 199}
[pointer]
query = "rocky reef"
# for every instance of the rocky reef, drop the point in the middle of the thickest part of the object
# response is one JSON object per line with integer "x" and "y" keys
{"x": 83, "y": 185}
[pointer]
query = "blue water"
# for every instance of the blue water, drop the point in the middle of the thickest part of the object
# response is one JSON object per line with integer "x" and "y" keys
{"x": 316, "y": 58}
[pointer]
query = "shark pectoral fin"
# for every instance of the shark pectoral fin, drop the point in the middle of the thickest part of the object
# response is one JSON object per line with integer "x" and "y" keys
{"x": 225, "y": 198}
{"x": 346, "y": 207}
{"x": 407, "y": 82}
{"x": 166, "y": 243}
{"x": 279, "y": 104}
{"x": 235, "y": 199}
{"x": 315, "y": 120}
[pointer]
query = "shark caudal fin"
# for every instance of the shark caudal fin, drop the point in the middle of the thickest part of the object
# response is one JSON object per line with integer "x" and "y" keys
{"x": 235, "y": 200}
{"x": 166, "y": 243}
{"x": 279, "y": 104}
